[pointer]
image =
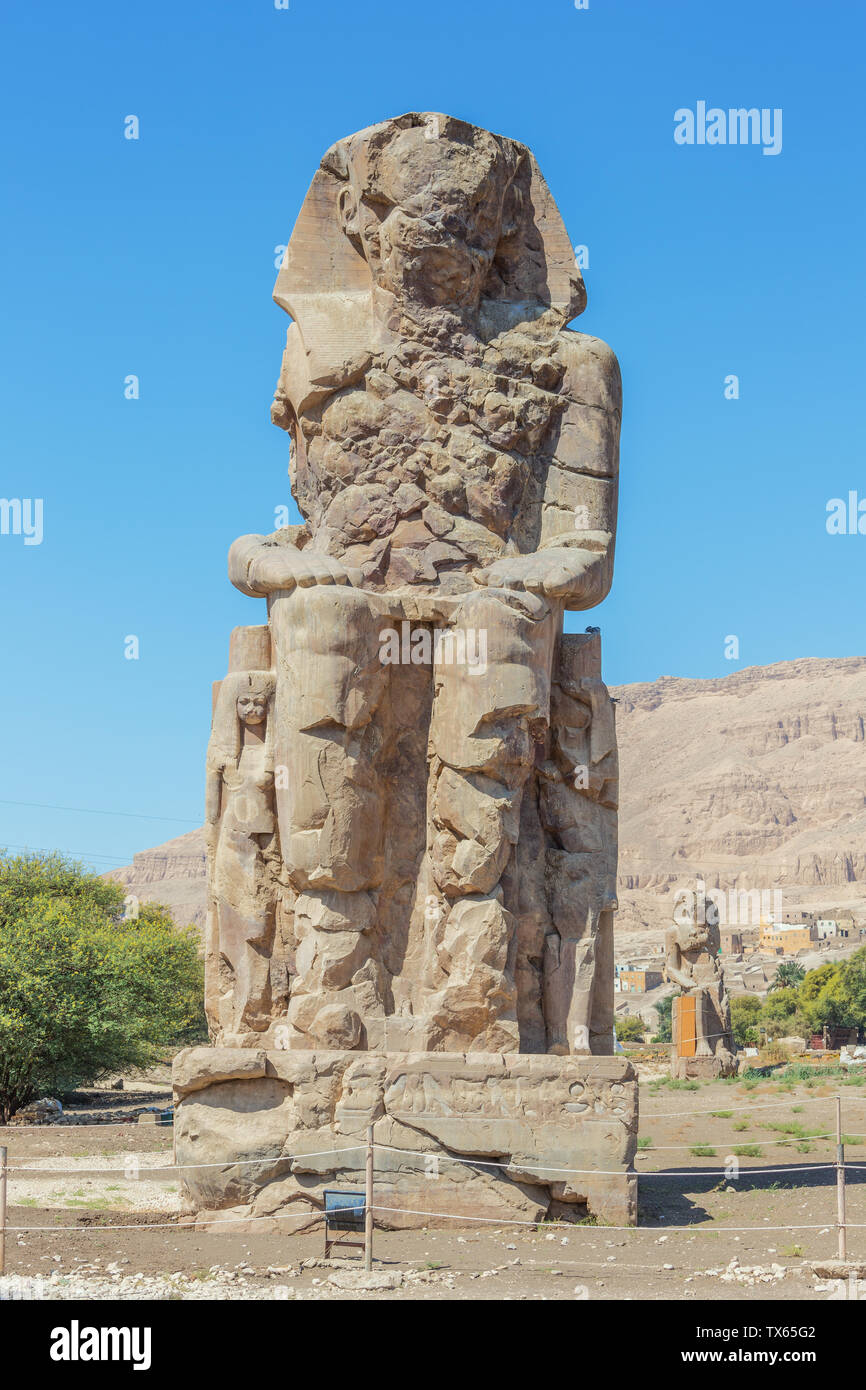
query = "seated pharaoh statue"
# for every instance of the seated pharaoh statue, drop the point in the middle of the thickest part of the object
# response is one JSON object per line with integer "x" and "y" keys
{"x": 413, "y": 779}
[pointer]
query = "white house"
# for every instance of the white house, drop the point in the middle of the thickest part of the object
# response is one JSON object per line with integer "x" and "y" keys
{"x": 827, "y": 927}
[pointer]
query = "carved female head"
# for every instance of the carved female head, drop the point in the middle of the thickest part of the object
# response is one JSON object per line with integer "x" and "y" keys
{"x": 245, "y": 699}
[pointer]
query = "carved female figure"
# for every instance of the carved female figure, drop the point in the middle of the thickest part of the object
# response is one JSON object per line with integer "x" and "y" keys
{"x": 243, "y": 854}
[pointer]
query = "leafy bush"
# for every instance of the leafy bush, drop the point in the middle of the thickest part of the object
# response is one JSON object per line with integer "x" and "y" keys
{"x": 664, "y": 1010}
{"x": 630, "y": 1028}
{"x": 83, "y": 992}
{"x": 745, "y": 1016}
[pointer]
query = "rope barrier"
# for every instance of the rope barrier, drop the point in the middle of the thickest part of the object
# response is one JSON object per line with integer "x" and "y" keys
{"x": 791, "y": 1139}
{"x": 176, "y": 1225}
{"x": 722, "y": 1111}
{"x": 180, "y": 1167}
{"x": 490, "y": 1163}
{"x": 540, "y": 1223}
{"x": 598, "y": 1172}
{"x": 426, "y": 1154}
{"x": 94, "y": 1124}
{"x": 579, "y": 1226}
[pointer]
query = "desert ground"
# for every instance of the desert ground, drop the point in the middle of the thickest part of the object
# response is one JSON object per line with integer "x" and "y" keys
{"x": 94, "y": 1213}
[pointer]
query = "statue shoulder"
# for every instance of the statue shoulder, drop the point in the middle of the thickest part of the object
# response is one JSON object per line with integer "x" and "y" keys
{"x": 592, "y": 376}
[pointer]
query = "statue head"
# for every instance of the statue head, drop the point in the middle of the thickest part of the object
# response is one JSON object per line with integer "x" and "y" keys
{"x": 696, "y": 919}
{"x": 418, "y": 214}
{"x": 245, "y": 699}
{"x": 693, "y": 936}
{"x": 252, "y": 707}
{"x": 428, "y": 210}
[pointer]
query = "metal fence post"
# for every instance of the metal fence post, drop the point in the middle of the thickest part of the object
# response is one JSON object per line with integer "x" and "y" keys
{"x": 840, "y": 1184}
{"x": 3, "y": 1161}
{"x": 368, "y": 1203}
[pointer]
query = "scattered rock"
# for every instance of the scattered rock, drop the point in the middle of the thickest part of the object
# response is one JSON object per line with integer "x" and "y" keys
{"x": 362, "y": 1281}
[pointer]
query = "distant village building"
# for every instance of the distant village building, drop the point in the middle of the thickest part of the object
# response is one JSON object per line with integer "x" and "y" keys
{"x": 829, "y": 927}
{"x": 732, "y": 942}
{"x": 783, "y": 939}
{"x": 629, "y": 980}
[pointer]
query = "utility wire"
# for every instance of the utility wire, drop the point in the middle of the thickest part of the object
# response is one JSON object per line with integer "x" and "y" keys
{"x": 91, "y": 811}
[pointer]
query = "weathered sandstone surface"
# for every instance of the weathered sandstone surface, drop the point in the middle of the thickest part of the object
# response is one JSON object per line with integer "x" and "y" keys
{"x": 280, "y": 1126}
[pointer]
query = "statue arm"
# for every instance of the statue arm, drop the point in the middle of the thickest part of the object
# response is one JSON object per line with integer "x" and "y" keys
{"x": 673, "y": 963}
{"x": 579, "y": 506}
{"x": 574, "y": 560}
{"x": 212, "y": 808}
{"x": 679, "y": 977}
{"x": 259, "y": 565}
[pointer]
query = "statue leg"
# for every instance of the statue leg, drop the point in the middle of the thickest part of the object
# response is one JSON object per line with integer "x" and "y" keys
{"x": 328, "y": 736}
{"x": 577, "y": 807}
{"x": 244, "y": 920}
{"x": 490, "y": 710}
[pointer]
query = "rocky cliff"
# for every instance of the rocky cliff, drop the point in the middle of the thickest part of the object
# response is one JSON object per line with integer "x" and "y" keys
{"x": 757, "y": 780}
{"x": 172, "y": 874}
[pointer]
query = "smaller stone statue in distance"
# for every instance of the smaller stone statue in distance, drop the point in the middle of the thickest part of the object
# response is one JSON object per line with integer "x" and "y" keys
{"x": 702, "y": 1044}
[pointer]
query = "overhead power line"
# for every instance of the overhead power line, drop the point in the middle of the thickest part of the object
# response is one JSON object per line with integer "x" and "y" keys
{"x": 92, "y": 811}
{"x": 70, "y": 853}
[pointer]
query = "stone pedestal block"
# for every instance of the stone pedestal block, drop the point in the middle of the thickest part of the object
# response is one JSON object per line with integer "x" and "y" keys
{"x": 538, "y": 1136}
{"x": 702, "y": 1046}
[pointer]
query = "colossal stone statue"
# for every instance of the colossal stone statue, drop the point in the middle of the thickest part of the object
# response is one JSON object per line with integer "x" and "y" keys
{"x": 439, "y": 757}
{"x": 454, "y": 452}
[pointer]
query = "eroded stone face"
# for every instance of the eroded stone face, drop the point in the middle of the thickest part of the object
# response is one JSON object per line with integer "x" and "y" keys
{"x": 430, "y": 861}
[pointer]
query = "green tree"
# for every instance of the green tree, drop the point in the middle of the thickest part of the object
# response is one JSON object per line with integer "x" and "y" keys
{"x": 780, "y": 1012}
{"x": 82, "y": 991}
{"x": 815, "y": 980}
{"x": 664, "y": 1009}
{"x": 629, "y": 1028}
{"x": 789, "y": 974}
{"x": 817, "y": 1003}
{"x": 854, "y": 982}
{"x": 26, "y": 876}
{"x": 838, "y": 996}
{"x": 745, "y": 1018}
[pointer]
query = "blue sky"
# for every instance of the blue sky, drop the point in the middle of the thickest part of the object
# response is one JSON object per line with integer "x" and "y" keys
{"x": 155, "y": 257}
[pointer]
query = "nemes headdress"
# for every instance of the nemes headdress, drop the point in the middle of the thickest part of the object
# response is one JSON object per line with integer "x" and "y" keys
{"x": 326, "y": 284}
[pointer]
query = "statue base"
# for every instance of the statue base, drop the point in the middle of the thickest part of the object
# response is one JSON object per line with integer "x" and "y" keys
{"x": 702, "y": 1068}
{"x": 539, "y": 1136}
{"x": 687, "y": 1062}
